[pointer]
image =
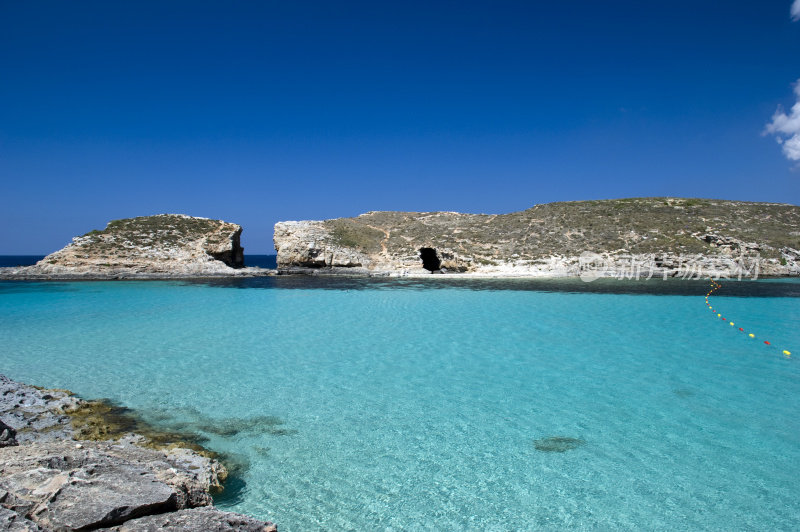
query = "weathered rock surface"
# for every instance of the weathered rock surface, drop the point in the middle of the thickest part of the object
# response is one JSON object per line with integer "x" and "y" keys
{"x": 52, "y": 482}
{"x": 165, "y": 245}
{"x": 35, "y": 413}
{"x": 667, "y": 236}
{"x": 205, "y": 519}
{"x": 68, "y": 485}
{"x": 13, "y": 522}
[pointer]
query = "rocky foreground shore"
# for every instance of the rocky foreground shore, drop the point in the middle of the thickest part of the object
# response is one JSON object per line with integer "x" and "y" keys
{"x": 52, "y": 478}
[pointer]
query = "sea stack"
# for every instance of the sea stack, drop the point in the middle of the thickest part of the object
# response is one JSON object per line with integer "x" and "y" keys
{"x": 160, "y": 245}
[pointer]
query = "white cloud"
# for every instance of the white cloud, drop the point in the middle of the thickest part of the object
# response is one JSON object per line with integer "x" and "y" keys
{"x": 786, "y": 126}
{"x": 791, "y": 148}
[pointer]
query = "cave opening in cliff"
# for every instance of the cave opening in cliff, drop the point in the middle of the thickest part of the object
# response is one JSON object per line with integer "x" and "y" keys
{"x": 430, "y": 260}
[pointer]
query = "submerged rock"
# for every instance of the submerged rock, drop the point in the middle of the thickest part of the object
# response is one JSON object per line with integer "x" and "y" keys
{"x": 192, "y": 421}
{"x": 102, "y": 420}
{"x": 557, "y": 444}
{"x": 271, "y": 425}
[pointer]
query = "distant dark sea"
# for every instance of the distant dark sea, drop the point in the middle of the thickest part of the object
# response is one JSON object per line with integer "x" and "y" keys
{"x": 262, "y": 261}
{"x": 19, "y": 260}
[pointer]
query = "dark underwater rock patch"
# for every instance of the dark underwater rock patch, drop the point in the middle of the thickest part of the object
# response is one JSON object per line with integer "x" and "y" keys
{"x": 192, "y": 421}
{"x": 557, "y": 444}
{"x": 103, "y": 420}
{"x": 255, "y": 425}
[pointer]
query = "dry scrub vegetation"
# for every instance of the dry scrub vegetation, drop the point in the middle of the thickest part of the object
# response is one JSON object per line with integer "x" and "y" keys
{"x": 635, "y": 225}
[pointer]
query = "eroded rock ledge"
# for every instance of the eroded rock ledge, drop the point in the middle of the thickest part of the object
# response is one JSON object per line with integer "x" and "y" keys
{"x": 160, "y": 246}
{"x": 52, "y": 481}
{"x": 667, "y": 236}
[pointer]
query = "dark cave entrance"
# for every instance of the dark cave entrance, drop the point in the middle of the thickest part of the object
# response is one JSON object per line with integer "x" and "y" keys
{"x": 430, "y": 260}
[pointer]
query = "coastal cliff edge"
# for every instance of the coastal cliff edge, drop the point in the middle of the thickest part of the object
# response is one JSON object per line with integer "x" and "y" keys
{"x": 650, "y": 236}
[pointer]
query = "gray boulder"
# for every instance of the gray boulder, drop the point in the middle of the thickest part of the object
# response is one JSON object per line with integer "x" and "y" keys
{"x": 69, "y": 485}
{"x": 8, "y": 436}
{"x": 206, "y": 519}
{"x": 88, "y": 498}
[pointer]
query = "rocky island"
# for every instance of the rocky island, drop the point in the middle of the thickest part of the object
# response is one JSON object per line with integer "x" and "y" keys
{"x": 66, "y": 464}
{"x": 164, "y": 245}
{"x": 631, "y": 237}
{"x": 668, "y": 236}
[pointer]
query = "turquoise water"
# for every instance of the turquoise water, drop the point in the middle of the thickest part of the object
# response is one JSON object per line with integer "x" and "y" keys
{"x": 376, "y": 405}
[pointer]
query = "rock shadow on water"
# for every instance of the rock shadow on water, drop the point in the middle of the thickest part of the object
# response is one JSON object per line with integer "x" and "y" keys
{"x": 234, "y": 492}
{"x": 237, "y": 464}
{"x": 557, "y": 444}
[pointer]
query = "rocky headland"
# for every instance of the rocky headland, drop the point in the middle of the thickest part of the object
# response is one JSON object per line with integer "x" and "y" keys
{"x": 160, "y": 246}
{"x": 62, "y": 467}
{"x": 637, "y": 237}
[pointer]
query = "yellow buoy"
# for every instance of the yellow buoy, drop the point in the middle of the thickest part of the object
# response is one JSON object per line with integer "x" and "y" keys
{"x": 719, "y": 315}
{"x": 731, "y": 323}
{"x": 785, "y": 352}
{"x": 751, "y": 335}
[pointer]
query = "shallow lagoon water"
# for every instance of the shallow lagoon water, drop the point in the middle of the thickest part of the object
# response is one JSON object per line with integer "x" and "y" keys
{"x": 389, "y": 404}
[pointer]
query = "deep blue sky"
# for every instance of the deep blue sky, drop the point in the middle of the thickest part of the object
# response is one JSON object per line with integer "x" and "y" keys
{"x": 255, "y": 112}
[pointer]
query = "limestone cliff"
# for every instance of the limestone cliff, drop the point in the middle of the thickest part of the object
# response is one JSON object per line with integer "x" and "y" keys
{"x": 168, "y": 244}
{"x": 669, "y": 236}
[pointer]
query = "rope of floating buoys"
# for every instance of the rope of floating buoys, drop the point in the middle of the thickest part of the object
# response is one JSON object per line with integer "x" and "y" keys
{"x": 716, "y": 286}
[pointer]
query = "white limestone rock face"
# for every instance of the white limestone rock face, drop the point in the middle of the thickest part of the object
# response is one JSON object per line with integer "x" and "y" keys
{"x": 309, "y": 245}
{"x": 167, "y": 244}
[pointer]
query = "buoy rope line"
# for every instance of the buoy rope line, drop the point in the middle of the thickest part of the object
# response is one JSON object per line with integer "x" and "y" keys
{"x": 716, "y": 286}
